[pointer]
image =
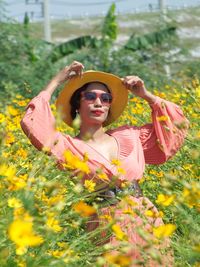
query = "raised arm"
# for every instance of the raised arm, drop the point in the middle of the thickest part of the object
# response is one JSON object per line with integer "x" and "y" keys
{"x": 74, "y": 69}
{"x": 162, "y": 138}
{"x": 38, "y": 122}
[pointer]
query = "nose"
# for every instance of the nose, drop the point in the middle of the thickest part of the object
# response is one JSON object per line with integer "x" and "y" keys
{"x": 97, "y": 102}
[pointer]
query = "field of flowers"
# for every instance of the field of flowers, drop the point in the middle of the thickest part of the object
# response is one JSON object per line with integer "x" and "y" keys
{"x": 43, "y": 210}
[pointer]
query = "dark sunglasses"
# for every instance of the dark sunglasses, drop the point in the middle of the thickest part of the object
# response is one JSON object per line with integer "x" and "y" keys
{"x": 106, "y": 98}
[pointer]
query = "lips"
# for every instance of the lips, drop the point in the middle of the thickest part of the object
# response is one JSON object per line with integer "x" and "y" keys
{"x": 97, "y": 112}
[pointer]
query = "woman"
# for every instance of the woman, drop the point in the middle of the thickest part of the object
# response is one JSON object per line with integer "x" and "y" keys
{"x": 99, "y": 99}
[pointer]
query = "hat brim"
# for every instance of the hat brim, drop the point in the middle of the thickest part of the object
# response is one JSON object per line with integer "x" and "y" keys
{"x": 114, "y": 83}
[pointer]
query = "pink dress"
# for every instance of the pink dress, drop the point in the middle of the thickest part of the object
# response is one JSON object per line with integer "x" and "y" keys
{"x": 152, "y": 143}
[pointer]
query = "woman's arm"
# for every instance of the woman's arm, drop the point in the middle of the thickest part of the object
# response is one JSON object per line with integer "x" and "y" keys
{"x": 137, "y": 87}
{"x": 38, "y": 123}
{"x": 74, "y": 69}
{"x": 162, "y": 138}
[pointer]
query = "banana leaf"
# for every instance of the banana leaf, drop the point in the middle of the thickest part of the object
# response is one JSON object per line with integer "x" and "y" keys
{"x": 148, "y": 40}
{"x": 71, "y": 46}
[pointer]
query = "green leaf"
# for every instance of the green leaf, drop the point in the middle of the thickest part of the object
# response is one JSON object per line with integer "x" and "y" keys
{"x": 146, "y": 41}
{"x": 71, "y": 46}
{"x": 109, "y": 29}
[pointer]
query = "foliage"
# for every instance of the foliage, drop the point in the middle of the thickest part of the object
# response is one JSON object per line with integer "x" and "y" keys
{"x": 22, "y": 60}
{"x": 109, "y": 27}
{"x": 28, "y": 63}
{"x": 151, "y": 39}
{"x": 66, "y": 48}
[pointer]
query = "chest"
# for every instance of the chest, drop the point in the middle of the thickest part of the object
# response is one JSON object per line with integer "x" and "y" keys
{"x": 109, "y": 149}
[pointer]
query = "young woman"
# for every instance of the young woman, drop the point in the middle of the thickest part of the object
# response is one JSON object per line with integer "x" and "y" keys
{"x": 99, "y": 98}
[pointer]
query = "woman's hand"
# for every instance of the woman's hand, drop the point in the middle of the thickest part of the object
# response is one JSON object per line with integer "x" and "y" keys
{"x": 74, "y": 69}
{"x": 137, "y": 87}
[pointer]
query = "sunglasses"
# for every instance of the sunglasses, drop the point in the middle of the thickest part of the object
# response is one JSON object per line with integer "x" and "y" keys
{"x": 106, "y": 98}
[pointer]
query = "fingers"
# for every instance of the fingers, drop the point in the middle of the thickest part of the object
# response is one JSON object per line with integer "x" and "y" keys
{"x": 132, "y": 81}
{"x": 75, "y": 69}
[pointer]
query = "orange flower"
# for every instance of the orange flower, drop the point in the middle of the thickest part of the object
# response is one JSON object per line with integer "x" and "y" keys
{"x": 83, "y": 209}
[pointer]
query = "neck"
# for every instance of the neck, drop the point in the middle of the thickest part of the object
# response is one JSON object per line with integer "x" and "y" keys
{"x": 94, "y": 133}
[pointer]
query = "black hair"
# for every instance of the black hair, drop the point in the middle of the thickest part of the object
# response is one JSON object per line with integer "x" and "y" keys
{"x": 76, "y": 97}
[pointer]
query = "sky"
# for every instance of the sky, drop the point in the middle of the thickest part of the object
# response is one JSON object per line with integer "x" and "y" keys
{"x": 60, "y": 9}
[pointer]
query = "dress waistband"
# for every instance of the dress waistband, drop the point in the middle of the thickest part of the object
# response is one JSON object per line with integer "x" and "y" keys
{"x": 112, "y": 195}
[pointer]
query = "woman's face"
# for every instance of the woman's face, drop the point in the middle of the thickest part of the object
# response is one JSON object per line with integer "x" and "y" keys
{"x": 94, "y": 104}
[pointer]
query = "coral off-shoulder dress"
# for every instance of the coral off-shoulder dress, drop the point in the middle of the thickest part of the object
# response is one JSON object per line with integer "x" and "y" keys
{"x": 152, "y": 143}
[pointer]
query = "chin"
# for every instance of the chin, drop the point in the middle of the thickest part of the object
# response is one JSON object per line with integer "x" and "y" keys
{"x": 97, "y": 120}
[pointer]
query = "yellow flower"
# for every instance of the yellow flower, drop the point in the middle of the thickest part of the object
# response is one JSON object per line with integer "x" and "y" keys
{"x": 191, "y": 195}
{"x": 103, "y": 176}
{"x": 69, "y": 157}
{"x": 159, "y": 174}
{"x": 116, "y": 162}
{"x": 53, "y": 224}
{"x": 16, "y": 183}
{"x": 12, "y": 111}
{"x": 118, "y": 260}
{"x": 83, "y": 209}
{"x": 129, "y": 211}
{"x": 74, "y": 163}
{"x": 65, "y": 253}
{"x": 56, "y": 253}
{"x": 2, "y": 118}
{"x": 7, "y": 171}
{"x": 85, "y": 157}
{"x": 118, "y": 232}
{"x": 187, "y": 166}
{"x": 18, "y": 96}
{"x": 10, "y": 138}
{"x": 21, "y": 263}
{"x": 165, "y": 200}
{"x": 162, "y": 118}
{"x": 22, "y": 103}
{"x": 164, "y": 230}
{"x": 55, "y": 200}
{"x": 154, "y": 214}
{"x": 21, "y": 250}
{"x": 62, "y": 244}
{"x": 21, "y": 233}
{"x": 21, "y": 213}
{"x": 198, "y": 91}
{"x": 133, "y": 121}
{"x": 106, "y": 217}
{"x": 21, "y": 153}
{"x": 82, "y": 166}
{"x": 89, "y": 185}
{"x": 129, "y": 201}
{"x": 14, "y": 203}
{"x": 121, "y": 170}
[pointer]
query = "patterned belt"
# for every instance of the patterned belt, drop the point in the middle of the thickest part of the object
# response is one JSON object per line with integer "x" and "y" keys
{"x": 112, "y": 196}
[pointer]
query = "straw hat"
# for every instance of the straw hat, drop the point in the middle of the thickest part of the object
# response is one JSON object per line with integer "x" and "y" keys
{"x": 114, "y": 83}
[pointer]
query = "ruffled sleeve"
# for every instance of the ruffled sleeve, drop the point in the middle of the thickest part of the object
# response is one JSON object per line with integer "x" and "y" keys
{"x": 38, "y": 124}
{"x": 162, "y": 138}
